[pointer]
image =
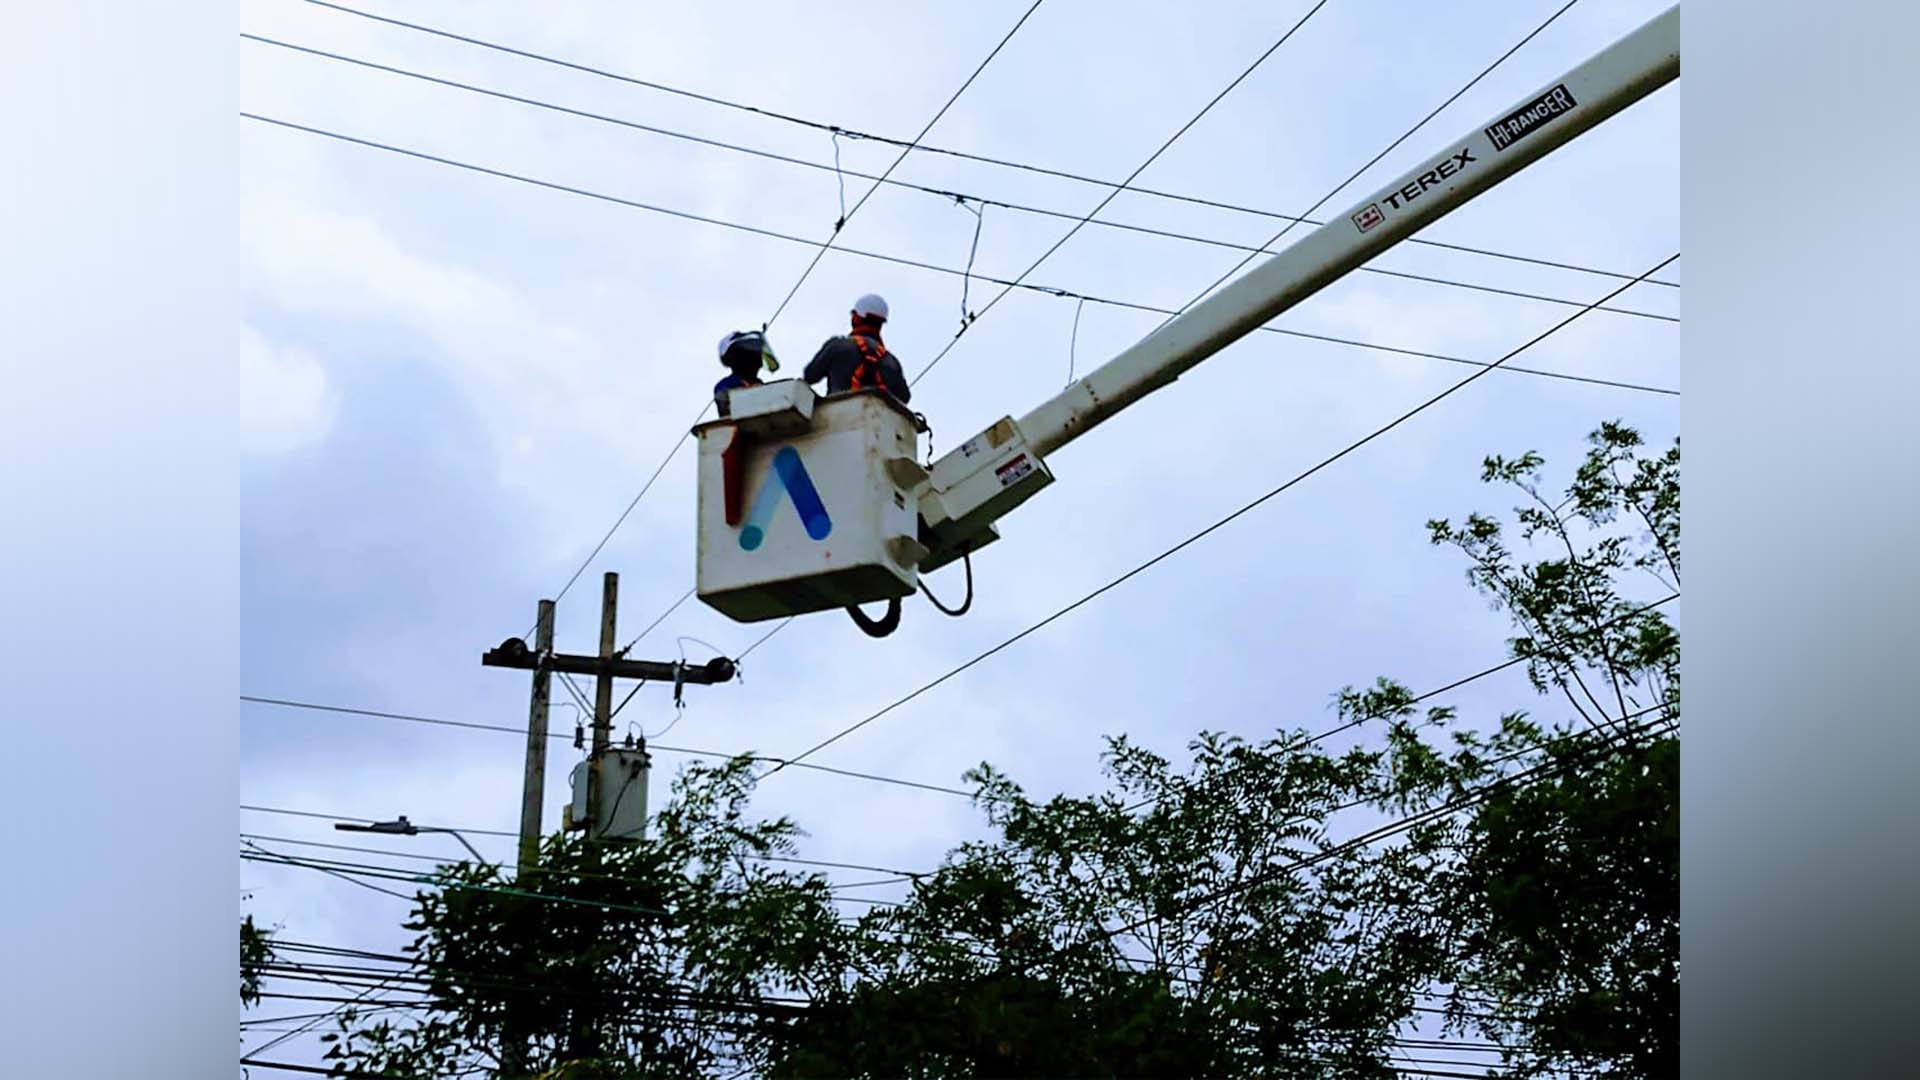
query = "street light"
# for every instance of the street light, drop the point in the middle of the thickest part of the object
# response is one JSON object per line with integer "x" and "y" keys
{"x": 402, "y": 827}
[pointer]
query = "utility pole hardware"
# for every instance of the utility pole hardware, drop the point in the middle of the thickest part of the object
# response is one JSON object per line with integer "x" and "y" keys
{"x": 610, "y": 787}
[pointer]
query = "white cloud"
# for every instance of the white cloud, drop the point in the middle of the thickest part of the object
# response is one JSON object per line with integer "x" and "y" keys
{"x": 287, "y": 400}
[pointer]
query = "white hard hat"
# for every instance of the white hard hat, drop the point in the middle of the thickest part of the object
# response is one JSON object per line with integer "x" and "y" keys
{"x": 871, "y": 306}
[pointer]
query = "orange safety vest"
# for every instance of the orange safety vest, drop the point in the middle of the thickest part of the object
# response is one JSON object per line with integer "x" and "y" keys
{"x": 866, "y": 373}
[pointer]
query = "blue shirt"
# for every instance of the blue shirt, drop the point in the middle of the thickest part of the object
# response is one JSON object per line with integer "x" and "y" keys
{"x": 731, "y": 382}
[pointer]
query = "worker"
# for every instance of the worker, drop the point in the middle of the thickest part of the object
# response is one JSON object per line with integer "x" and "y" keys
{"x": 859, "y": 360}
{"x": 742, "y": 351}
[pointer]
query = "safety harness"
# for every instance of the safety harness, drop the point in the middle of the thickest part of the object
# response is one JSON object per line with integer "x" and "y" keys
{"x": 866, "y": 373}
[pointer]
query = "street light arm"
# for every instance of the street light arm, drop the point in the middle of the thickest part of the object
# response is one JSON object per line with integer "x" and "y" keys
{"x": 404, "y": 827}
{"x": 455, "y": 833}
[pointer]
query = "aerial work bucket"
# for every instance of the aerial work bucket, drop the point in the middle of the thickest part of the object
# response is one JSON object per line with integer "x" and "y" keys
{"x": 807, "y": 503}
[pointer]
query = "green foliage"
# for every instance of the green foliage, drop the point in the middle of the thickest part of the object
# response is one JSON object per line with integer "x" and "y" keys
{"x": 1563, "y": 893}
{"x": 256, "y": 951}
{"x": 1215, "y": 919}
{"x": 657, "y": 963}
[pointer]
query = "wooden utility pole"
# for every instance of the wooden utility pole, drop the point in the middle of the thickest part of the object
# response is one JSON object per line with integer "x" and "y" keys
{"x": 605, "y": 667}
{"x": 609, "y": 664}
{"x": 603, "y": 691}
{"x": 533, "y": 790}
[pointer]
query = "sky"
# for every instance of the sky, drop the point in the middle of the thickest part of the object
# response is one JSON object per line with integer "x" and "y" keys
{"x": 453, "y": 383}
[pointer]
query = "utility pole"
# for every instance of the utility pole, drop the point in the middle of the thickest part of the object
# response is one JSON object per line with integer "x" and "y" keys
{"x": 533, "y": 790}
{"x": 602, "y": 694}
{"x": 605, "y": 666}
{"x": 608, "y": 664}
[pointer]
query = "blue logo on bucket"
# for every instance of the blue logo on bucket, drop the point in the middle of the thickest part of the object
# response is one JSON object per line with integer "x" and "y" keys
{"x": 790, "y": 477}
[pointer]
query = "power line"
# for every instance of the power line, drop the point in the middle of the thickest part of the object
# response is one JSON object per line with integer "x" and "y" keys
{"x": 925, "y": 148}
{"x": 1454, "y": 685}
{"x": 311, "y": 1023}
{"x": 1478, "y": 795}
{"x": 762, "y": 640}
{"x": 904, "y": 151}
{"x": 1182, "y": 545}
{"x": 671, "y": 608}
{"x": 944, "y": 195}
{"x": 772, "y": 234}
{"x": 314, "y": 706}
{"x": 285, "y": 1066}
{"x": 884, "y": 179}
{"x": 388, "y": 873}
{"x": 411, "y": 972}
{"x": 1115, "y": 193}
{"x": 472, "y": 831}
{"x": 818, "y": 254}
{"x": 882, "y": 257}
{"x": 1375, "y": 160}
{"x": 644, "y": 488}
{"x": 901, "y": 876}
{"x": 1007, "y": 286}
{"x": 1251, "y": 255}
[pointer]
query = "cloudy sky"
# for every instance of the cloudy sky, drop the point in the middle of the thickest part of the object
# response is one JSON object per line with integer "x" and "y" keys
{"x": 453, "y": 382}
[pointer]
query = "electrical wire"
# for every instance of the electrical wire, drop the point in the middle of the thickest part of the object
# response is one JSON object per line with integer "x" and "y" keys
{"x": 1291, "y": 223}
{"x": 1222, "y": 522}
{"x": 1115, "y": 193}
{"x": 351, "y": 871}
{"x": 1394, "y": 828}
{"x": 311, "y": 1023}
{"x": 287, "y": 812}
{"x": 1375, "y": 160}
{"x": 644, "y": 488}
{"x": 893, "y": 259}
{"x": 671, "y": 608}
{"x": 925, "y": 148}
{"x": 1436, "y": 692}
{"x": 651, "y": 1005}
{"x": 901, "y": 876}
{"x": 336, "y": 873}
{"x": 762, "y": 640}
{"x": 336, "y": 972}
{"x": 288, "y": 703}
{"x": 804, "y": 274}
{"x": 1345, "y": 726}
{"x": 904, "y": 151}
{"x": 1006, "y": 286}
{"x": 960, "y": 197}
{"x": 394, "y": 874}
{"x": 286, "y": 1066}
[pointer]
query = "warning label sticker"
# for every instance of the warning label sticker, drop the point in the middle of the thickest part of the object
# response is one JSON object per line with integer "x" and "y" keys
{"x": 1014, "y": 471}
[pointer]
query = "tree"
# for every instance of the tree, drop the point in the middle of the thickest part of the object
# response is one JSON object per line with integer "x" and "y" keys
{"x": 1092, "y": 938}
{"x": 1211, "y": 922}
{"x": 653, "y": 959}
{"x": 256, "y": 952}
{"x": 1271, "y": 908}
{"x": 1563, "y": 894}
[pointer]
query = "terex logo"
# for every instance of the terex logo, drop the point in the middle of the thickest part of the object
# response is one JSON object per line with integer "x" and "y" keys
{"x": 1431, "y": 178}
{"x": 787, "y": 477}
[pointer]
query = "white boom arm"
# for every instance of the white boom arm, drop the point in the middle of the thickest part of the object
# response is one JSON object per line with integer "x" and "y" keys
{"x": 989, "y": 475}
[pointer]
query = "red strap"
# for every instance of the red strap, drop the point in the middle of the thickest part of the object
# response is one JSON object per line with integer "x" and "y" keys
{"x": 867, "y": 372}
{"x": 733, "y": 469}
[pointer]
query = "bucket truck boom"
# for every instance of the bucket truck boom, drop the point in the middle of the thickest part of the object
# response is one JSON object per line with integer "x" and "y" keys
{"x": 867, "y": 518}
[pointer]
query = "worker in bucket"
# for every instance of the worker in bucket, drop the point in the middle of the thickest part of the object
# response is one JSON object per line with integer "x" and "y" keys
{"x": 742, "y": 351}
{"x": 859, "y": 360}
